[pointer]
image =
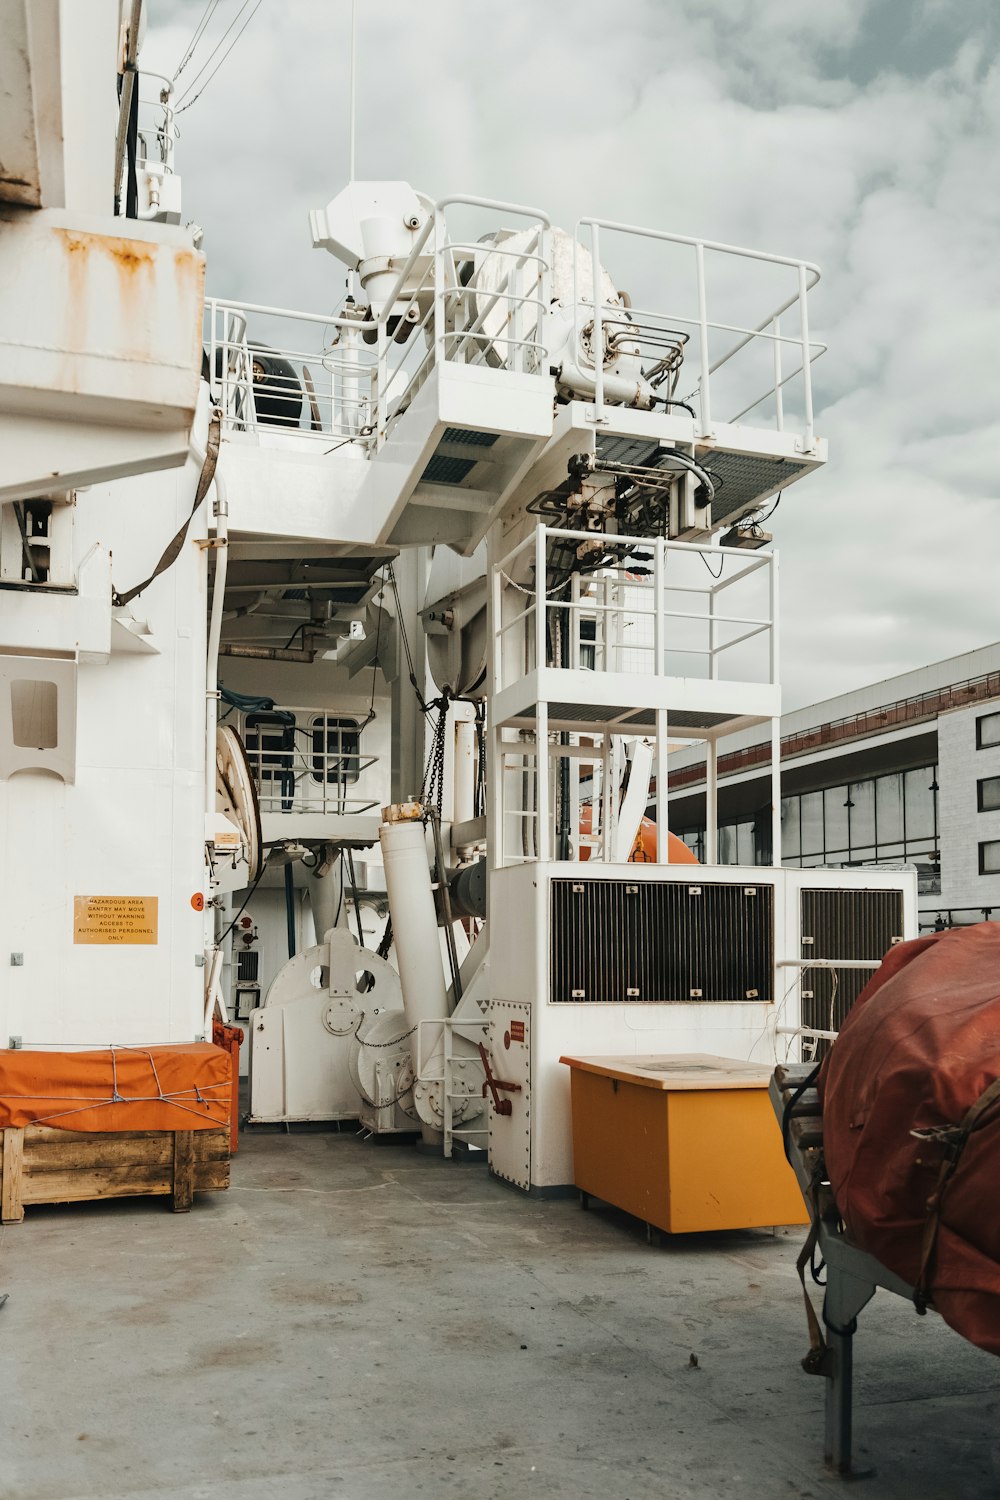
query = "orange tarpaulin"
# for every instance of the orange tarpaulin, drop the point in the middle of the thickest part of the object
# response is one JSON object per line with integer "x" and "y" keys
{"x": 911, "y": 1125}
{"x": 184, "y": 1087}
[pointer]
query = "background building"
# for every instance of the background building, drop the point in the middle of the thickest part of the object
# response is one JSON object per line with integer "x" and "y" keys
{"x": 906, "y": 771}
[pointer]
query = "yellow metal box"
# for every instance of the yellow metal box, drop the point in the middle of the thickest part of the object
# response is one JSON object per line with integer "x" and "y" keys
{"x": 684, "y": 1142}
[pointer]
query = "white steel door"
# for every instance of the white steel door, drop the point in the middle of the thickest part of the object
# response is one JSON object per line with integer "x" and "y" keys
{"x": 510, "y": 1064}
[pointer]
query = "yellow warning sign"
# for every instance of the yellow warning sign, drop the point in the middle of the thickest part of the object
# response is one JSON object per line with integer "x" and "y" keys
{"x": 114, "y": 919}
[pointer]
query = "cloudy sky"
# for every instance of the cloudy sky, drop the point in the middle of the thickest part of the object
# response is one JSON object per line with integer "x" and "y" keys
{"x": 860, "y": 134}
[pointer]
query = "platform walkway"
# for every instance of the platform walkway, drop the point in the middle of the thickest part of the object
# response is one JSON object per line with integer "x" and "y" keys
{"x": 358, "y": 1322}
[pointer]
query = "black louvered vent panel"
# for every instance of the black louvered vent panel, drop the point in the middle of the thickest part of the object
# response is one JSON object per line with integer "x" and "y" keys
{"x": 844, "y": 924}
{"x": 247, "y": 965}
{"x": 661, "y": 940}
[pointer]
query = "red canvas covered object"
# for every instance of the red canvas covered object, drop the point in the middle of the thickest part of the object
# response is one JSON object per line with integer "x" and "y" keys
{"x": 183, "y": 1087}
{"x": 911, "y": 1123}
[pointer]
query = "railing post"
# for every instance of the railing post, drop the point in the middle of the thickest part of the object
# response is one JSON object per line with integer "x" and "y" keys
{"x": 544, "y": 294}
{"x": 446, "y": 1087}
{"x": 659, "y": 606}
{"x": 662, "y": 789}
{"x": 542, "y": 781}
{"x": 704, "y": 397}
{"x": 540, "y": 599}
{"x": 772, "y": 574}
{"x": 713, "y": 665}
{"x": 213, "y": 311}
{"x": 711, "y": 802}
{"x": 808, "y": 437}
{"x": 775, "y": 792}
{"x": 438, "y": 283}
{"x": 779, "y": 403}
{"x": 595, "y": 251}
{"x": 381, "y": 384}
{"x": 607, "y": 848}
{"x": 495, "y": 624}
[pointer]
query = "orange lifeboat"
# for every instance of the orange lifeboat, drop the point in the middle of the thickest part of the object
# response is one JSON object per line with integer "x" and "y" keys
{"x": 643, "y": 850}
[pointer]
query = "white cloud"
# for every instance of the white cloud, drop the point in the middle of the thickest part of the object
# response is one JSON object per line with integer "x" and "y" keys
{"x": 740, "y": 120}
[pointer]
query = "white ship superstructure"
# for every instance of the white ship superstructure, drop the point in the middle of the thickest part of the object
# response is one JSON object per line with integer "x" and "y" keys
{"x": 361, "y": 758}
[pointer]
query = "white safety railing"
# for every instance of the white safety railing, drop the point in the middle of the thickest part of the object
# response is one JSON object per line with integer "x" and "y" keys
{"x": 597, "y": 635}
{"x": 441, "y": 1046}
{"x": 645, "y": 607}
{"x": 277, "y": 371}
{"x": 726, "y": 388}
{"x": 461, "y": 301}
{"x": 156, "y": 133}
{"x": 811, "y": 1037}
{"x": 730, "y": 348}
{"x": 308, "y": 761}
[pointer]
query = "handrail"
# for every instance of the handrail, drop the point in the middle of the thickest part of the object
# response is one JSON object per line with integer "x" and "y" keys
{"x": 808, "y": 276}
{"x": 720, "y": 245}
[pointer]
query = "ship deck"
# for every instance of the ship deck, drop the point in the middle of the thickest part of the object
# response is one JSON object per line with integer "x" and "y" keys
{"x": 356, "y": 1321}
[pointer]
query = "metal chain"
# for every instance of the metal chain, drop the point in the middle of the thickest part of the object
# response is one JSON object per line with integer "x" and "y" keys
{"x": 381, "y": 1047}
{"x": 432, "y": 787}
{"x": 479, "y": 795}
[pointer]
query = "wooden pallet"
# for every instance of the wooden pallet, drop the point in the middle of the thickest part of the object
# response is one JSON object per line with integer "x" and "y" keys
{"x": 39, "y": 1164}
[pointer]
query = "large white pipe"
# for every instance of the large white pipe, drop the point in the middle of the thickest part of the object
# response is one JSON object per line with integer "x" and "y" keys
{"x": 414, "y": 930}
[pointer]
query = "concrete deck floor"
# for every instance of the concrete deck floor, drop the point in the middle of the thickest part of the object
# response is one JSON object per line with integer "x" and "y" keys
{"x": 359, "y": 1322}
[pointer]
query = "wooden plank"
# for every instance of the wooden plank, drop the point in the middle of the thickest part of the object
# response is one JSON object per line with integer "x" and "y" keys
{"x": 790, "y": 1075}
{"x": 211, "y": 1176}
{"x": 211, "y": 1144}
{"x": 53, "y": 1133}
{"x": 11, "y": 1200}
{"x": 217, "y": 1135}
{"x": 183, "y": 1171}
{"x": 807, "y": 1104}
{"x": 807, "y": 1133}
{"x": 123, "y": 1151}
{"x": 109, "y": 1182}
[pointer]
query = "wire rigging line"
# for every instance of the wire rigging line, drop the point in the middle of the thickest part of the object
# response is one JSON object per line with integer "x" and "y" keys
{"x": 199, "y": 32}
{"x": 375, "y": 660}
{"x": 193, "y": 100}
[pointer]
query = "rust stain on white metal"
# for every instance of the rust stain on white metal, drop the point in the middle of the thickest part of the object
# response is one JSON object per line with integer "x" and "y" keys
{"x": 142, "y": 269}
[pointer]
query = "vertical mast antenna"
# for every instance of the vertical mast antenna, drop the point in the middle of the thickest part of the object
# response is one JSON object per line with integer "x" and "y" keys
{"x": 353, "y": 90}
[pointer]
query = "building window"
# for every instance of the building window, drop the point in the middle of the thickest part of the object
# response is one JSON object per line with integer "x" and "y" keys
{"x": 989, "y": 857}
{"x": 989, "y": 793}
{"x": 987, "y": 731}
{"x": 889, "y": 819}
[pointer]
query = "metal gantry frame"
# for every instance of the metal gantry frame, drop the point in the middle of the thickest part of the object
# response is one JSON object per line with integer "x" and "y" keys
{"x": 534, "y": 699}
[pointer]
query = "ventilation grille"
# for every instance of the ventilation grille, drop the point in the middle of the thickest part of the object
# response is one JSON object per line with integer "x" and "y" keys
{"x": 661, "y": 940}
{"x": 844, "y": 924}
{"x": 746, "y": 478}
{"x": 247, "y": 966}
{"x": 469, "y": 437}
{"x": 443, "y": 470}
